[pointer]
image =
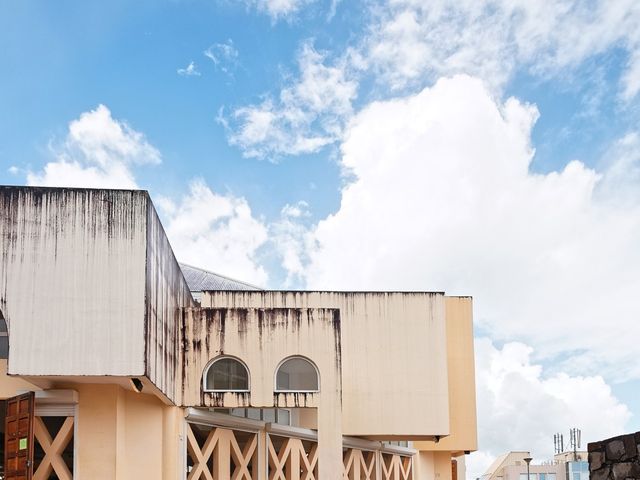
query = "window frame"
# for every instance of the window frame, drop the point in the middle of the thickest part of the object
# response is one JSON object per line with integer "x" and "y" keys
{"x": 205, "y": 374}
{"x": 285, "y": 360}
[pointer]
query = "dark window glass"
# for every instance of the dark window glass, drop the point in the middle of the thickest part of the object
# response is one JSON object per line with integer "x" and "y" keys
{"x": 227, "y": 374}
{"x": 296, "y": 375}
{"x": 4, "y": 346}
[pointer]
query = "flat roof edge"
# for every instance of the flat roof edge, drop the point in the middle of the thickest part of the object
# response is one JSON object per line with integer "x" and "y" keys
{"x": 408, "y": 292}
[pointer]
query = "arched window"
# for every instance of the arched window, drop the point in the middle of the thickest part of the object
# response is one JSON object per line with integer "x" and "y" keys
{"x": 297, "y": 374}
{"x": 226, "y": 374}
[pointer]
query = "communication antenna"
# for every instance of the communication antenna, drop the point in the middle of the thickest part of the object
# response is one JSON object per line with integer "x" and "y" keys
{"x": 558, "y": 443}
{"x": 575, "y": 434}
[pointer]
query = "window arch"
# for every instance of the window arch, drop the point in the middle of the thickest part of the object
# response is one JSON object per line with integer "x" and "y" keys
{"x": 226, "y": 374}
{"x": 297, "y": 374}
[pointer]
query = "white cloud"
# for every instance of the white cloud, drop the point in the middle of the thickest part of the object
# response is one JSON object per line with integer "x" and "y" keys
{"x": 308, "y": 115}
{"x": 216, "y": 232}
{"x": 224, "y": 56}
{"x": 98, "y": 151}
{"x": 278, "y": 9}
{"x": 409, "y": 44}
{"x": 190, "y": 70}
{"x": 444, "y": 199}
{"x": 291, "y": 240}
{"x": 411, "y": 39}
{"x": 297, "y": 210}
{"x": 205, "y": 229}
{"x": 631, "y": 78}
{"x": 332, "y": 9}
{"x": 520, "y": 406}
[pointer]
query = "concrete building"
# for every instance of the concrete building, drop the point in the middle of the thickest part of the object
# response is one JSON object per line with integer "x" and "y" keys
{"x": 119, "y": 363}
{"x": 564, "y": 466}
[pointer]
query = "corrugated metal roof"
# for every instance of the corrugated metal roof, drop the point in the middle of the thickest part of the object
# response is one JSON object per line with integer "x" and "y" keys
{"x": 200, "y": 280}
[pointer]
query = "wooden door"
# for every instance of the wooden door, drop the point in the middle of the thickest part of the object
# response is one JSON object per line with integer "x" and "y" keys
{"x": 18, "y": 437}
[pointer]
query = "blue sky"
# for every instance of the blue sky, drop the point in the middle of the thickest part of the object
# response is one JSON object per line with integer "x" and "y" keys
{"x": 483, "y": 148}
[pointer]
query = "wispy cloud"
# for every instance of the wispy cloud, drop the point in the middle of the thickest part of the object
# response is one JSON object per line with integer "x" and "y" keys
{"x": 332, "y": 9}
{"x": 278, "y": 9}
{"x": 190, "y": 70}
{"x": 309, "y": 113}
{"x": 225, "y": 56}
{"x": 410, "y": 40}
{"x": 409, "y": 44}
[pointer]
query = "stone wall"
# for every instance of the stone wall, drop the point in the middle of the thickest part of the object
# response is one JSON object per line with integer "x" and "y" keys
{"x": 616, "y": 458}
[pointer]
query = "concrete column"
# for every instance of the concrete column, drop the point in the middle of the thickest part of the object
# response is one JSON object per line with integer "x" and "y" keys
{"x": 442, "y": 465}
{"x": 424, "y": 465}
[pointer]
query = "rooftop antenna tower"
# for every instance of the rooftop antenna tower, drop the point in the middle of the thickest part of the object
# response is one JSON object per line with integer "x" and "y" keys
{"x": 574, "y": 442}
{"x": 558, "y": 443}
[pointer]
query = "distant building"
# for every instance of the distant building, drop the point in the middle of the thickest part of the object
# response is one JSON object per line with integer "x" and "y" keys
{"x": 116, "y": 362}
{"x": 564, "y": 466}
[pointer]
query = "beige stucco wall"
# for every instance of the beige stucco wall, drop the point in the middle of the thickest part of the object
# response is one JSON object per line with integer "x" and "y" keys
{"x": 72, "y": 280}
{"x": 11, "y": 386}
{"x": 126, "y": 435}
{"x": 430, "y": 465}
{"x": 394, "y": 362}
{"x": 461, "y": 370}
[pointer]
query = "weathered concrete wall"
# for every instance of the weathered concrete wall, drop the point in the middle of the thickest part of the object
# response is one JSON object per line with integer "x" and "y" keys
{"x": 166, "y": 293}
{"x": 394, "y": 357}
{"x": 262, "y": 338}
{"x": 89, "y": 285}
{"x": 462, "y": 384}
{"x": 72, "y": 280}
{"x": 616, "y": 458}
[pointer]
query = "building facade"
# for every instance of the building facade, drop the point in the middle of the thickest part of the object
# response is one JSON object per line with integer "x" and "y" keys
{"x": 564, "y": 466}
{"x": 118, "y": 362}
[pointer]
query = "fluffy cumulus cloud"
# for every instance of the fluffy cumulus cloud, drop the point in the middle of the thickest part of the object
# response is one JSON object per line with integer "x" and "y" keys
{"x": 307, "y": 115}
{"x": 98, "y": 151}
{"x": 444, "y": 199}
{"x": 215, "y": 232}
{"x": 520, "y": 408}
{"x": 410, "y": 39}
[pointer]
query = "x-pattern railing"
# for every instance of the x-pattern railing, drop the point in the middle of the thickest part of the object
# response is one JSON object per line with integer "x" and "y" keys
{"x": 359, "y": 465}
{"x": 218, "y": 455}
{"x": 53, "y": 449}
{"x": 292, "y": 461}
{"x": 396, "y": 467}
{"x": 229, "y": 459}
